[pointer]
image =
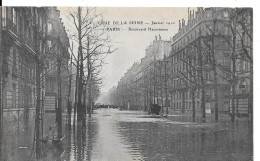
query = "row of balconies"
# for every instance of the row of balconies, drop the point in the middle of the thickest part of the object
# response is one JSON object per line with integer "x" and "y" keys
{"x": 24, "y": 37}
{"x": 15, "y": 32}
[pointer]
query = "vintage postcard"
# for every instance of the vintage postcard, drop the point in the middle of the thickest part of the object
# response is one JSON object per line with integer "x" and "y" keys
{"x": 126, "y": 83}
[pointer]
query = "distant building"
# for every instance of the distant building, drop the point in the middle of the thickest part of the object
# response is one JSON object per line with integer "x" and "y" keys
{"x": 134, "y": 88}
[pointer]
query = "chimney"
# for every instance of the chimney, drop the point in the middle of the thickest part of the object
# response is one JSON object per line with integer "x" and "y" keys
{"x": 193, "y": 14}
{"x": 155, "y": 37}
{"x": 179, "y": 24}
{"x": 183, "y": 23}
{"x": 159, "y": 37}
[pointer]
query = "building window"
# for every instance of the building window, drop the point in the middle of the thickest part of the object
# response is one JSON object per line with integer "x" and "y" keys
{"x": 40, "y": 23}
{"x": 44, "y": 28}
{"x": 198, "y": 104}
{"x": 225, "y": 14}
{"x": 36, "y": 16}
{"x": 31, "y": 33}
{"x": 14, "y": 60}
{"x": 14, "y": 20}
{"x": 14, "y": 96}
{"x": 49, "y": 27}
{"x": 4, "y": 16}
{"x": 208, "y": 76}
{"x": 49, "y": 44}
{"x": 40, "y": 45}
{"x": 226, "y": 60}
{"x": 32, "y": 11}
{"x": 226, "y": 30}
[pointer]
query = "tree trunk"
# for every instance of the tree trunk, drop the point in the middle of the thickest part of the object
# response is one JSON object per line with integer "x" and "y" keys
{"x": 89, "y": 79}
{"x": 69, "y": 96}
{"x": 89, "y": 98}
{"x": 38, "y": 103}
{"x": 59, "y": 108}
{"x": 1, "y": 88}
{"x": 183, "y": 102}
{"x": 233, "y": 83}
{"x": 166, "y": 91}
{"x": 154, "y": 82}
{"x": 38, "y": 98}
{"x": 193, "y": 105}
{"x": 216, "y": 93}
{"x": 76, "y": 93}
{"x": 215, "y": 82}
{"x": 201, "y": 79}
{"x": 84, "y": 100}
{"x": 80, "y": 85}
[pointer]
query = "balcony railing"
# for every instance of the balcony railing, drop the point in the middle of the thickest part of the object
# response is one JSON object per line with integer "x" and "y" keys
{"x": 28, "y": 42}
{"x": 8, "y": 25}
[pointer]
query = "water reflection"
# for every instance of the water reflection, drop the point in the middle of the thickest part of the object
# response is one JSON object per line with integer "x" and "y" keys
{"x": 158, "y": 140}
{"x": 125, "y": 135}
{"x": 17, "y": 135}
{"x": 112, "y": 135}
{"x": 79, "y": 141}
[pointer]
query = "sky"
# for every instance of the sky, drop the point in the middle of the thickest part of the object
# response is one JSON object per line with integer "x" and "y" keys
{"x": 131, "y": 45}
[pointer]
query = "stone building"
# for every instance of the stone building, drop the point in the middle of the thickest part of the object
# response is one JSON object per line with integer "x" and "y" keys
{"x": 28, "y": 31}
{"x": 24, "y": 31}
{"x": 137, "y": 89}
{"x": 23, "y": 45}
{"x": 194, "y": 43}
{"x": 57, "y": 57}
{"x": 243, "y": 20}
{"x": 198, "y": 55}
{"x": 26, "y": 47}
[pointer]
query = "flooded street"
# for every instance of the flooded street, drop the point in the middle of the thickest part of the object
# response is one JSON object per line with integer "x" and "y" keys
{"x": 112, "y": 83}
{"x": 113, "y": 135}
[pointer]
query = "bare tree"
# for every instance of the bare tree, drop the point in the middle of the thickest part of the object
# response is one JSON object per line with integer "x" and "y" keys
{"x": 210, "y": 50}
{"x": 94, "y": 45}
{"x": 245, "y": 37}
{"x": 190, "y": 78}
{"x": 236, "y": 28}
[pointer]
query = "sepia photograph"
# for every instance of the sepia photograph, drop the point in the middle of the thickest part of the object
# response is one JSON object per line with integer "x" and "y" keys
{"x": 85, "y": 83}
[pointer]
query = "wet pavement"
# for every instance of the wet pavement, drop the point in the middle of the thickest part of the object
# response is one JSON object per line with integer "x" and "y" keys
{"x": 113, "y": 135}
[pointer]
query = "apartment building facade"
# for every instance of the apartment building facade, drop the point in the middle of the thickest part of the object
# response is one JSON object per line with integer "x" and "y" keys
{"x": 23, "y": 33}
{"x": 57, "y": 58}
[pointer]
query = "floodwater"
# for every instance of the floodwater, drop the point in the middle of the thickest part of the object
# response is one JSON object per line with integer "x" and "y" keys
{"x": 113, "y": 135}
